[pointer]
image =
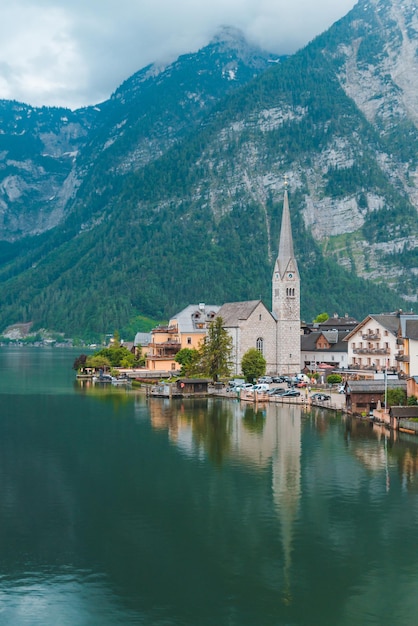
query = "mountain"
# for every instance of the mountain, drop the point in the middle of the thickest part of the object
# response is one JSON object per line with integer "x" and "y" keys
{"x": 173, "y": 190}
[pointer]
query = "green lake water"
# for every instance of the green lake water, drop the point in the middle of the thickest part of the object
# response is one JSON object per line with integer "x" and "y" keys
{"x": 116, "y": 510}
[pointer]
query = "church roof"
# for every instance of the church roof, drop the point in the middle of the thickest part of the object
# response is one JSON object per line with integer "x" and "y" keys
{"x": 233, "y": 312}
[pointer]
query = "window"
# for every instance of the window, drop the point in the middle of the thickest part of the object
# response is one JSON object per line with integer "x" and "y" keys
{"x": 259, "y": 317}
{"x": 260, "y": 344}
{"x": 173, "y": 366}
{"x": 189, "y": 340}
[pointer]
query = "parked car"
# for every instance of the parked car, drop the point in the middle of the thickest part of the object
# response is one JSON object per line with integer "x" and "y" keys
{"x": 278, "y": 379}
{"x": 322, "y": 397}
{"x": 277, "y": 391}
{"x": 290, "y": 393}
{"x": 301, "y": 383}
{"x": 265, "y": 379}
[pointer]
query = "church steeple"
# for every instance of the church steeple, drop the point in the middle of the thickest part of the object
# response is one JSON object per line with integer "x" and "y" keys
{"x": 286, "y": 260}
{"x": 286, "y": 298}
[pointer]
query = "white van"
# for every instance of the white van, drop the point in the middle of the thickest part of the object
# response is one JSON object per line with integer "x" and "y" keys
{"x": 261, "y": 388}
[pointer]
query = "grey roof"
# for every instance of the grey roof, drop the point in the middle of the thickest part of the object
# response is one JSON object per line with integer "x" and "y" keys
{"x": 403, "y": 412}
{"x": 331, "y": 335}
{"x": 374, "y": 386}
{"x": 404, "y": 320}
{"x": 411, "y": 329}
{"x": 389, "y": 321}
{"x": 188, "y": 318}
{"x": 233, "y": 312}
{"x": 142, "y": 339}
{"x": 336, "y": 339}
{"x": 339, "y": 323}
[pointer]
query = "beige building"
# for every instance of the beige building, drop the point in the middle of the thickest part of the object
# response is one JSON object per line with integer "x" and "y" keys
{"x": 407, "y": 355}
{"x": 187, "y": 329}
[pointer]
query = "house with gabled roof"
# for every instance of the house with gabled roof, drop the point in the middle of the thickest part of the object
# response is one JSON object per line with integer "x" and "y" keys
{"x": 372, "y": 344}
{"x": 384, "y": 341}
{"x": 324, "y": 347}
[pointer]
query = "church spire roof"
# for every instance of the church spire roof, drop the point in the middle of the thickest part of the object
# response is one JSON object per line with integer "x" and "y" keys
{"x": 286, "y": 253}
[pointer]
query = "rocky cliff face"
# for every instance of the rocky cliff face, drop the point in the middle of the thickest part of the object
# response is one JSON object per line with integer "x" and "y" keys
{"x": 185, "y": 164}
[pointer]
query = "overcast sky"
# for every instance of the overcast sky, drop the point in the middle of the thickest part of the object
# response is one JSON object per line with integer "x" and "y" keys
{"x": 77, "y": 52}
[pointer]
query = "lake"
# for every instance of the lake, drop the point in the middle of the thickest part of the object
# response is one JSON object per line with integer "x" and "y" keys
{"x": 116, "y": 509}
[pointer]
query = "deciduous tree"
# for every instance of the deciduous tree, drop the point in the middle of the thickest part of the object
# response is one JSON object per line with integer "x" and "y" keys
{"x": 253, "y": 365}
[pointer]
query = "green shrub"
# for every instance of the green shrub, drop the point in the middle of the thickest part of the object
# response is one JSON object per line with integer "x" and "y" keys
{"x": 333, "y": 379}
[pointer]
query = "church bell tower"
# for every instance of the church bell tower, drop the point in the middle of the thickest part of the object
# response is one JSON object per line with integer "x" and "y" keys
{"x": 286, "y": 299}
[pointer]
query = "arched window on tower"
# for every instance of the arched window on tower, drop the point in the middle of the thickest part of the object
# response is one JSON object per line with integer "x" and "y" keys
{"x": 260, "y": 344}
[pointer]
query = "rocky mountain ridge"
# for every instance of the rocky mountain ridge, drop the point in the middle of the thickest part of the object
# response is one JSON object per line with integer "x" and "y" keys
{"x": 183, "y": 167}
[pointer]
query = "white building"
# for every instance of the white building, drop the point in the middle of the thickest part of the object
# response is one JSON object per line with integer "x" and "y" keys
{"x": 381, "y": 342}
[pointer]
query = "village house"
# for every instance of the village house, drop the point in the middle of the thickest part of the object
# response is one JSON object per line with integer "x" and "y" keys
{"x": 372, "y": 345}
{"x": 364, "y": 396}
{"x": 187, "y": 329}
{"x": 384, "y": 342}
{"x": 407, "y": 356}
{"x": 324, "y": 348}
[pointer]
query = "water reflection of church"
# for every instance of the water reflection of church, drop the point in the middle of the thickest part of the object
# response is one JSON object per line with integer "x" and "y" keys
{"x": 267, "y": 437}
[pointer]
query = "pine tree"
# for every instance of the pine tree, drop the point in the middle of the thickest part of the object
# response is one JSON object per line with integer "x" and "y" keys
{"x": 216, "y": 351}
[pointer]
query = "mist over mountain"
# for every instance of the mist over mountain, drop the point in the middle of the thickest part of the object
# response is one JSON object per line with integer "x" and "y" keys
{"x": 170, "y": 192}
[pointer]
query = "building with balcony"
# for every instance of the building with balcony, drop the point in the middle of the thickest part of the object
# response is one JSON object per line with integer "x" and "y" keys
{"x": 187, "y": 329}
{"x": 381, "y": 342}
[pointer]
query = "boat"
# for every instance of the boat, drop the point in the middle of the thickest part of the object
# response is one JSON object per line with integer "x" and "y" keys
{"x": 102, "y": 378}
{"x": 122, "y": 381}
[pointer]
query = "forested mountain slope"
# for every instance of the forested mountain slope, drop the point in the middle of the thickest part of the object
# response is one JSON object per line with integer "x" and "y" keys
{"x": 179, "y": 201}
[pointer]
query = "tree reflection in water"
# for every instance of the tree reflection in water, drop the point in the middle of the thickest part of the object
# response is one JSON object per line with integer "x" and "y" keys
{"x": 212, "y": 427}
{"x": 253, "y": 419}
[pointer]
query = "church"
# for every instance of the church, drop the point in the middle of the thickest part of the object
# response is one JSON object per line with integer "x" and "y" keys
{"x": 275, "y": 334}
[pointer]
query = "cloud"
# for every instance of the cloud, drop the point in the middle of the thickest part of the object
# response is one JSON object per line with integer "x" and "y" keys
{"x": 77, "y": 53}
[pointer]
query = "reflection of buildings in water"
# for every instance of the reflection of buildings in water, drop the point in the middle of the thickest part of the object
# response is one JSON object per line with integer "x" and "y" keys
{"x": 180, "y": 418}
{"x": 409, "y": 468}
{"x": 286, "y": 481}
{"x": 368, "y": 443}
{"x": 258, "y": 435}
{"x": 279, "y": 443}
